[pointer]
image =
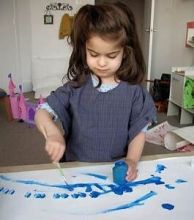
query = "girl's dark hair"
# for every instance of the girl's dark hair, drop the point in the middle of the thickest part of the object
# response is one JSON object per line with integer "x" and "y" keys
{"x": 112, "y": 21}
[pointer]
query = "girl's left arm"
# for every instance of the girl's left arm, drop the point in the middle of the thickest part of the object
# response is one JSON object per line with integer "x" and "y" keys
{"x": 134, "y": 153}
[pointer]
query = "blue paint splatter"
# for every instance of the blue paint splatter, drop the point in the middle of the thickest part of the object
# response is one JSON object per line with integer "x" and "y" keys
{"x": 39, "y": 195}
{"x": 160, "y": 168}
{"x": 28, "y": 194}
{"x": 103, "y": 189}
{"x": 75, "y": 195}
{"x": 12, "y": 191}
{"x": 153, "y": 179}
{"x": 32, "y": 182}
{"x": 98, "y": 186}
{"x": 64, "y": 195}
{"x": 94, "y": 194}
{"x": 180, "y": 181}
{"x": 82, "y": 195}
{"x": 97, "y": 176}
{"x": 168, "y": 186}
{"x": 137, "y": 202}
{"x": 1, "y": 189}
{"x": 168, "y": 206}
{"x": 7, "y": 191}
{"x": 119, "y": 190}
{"x": 56, "y": 196}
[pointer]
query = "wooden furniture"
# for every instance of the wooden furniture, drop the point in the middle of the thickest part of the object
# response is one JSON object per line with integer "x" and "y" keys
{"x": 161, "y": 106}
{"x": 4, "y": 101}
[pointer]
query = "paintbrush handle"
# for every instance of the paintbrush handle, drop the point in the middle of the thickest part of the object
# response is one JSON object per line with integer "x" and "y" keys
{"x": 59, "y": 167}
{"x": 57, "y": 164}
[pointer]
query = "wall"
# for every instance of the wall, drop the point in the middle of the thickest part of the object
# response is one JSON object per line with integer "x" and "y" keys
{"x": 169, "y": 48}
{"x": 8, "y": 50}
{"x": 24, "y": 36}
{"x": 170, "y": 21}
{"x": 137, "y": 7}
{"x": 45, "y": 41}
{"x": 15, "y": 44}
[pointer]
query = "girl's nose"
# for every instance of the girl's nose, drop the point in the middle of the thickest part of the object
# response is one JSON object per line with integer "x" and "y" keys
{"x": 102, "y": 61}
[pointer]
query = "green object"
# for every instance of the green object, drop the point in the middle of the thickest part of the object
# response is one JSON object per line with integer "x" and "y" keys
{"x": 188, "y": 93}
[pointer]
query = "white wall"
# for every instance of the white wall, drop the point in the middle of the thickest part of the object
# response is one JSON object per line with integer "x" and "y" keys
{"x": 169, "y": 48}
{"x": 137, "y": 7}
{"x": 15, "y": 43}
{"x": 23, "y": 36}
{"x": 45, "y": 41}
{"x": 8, "y": 50}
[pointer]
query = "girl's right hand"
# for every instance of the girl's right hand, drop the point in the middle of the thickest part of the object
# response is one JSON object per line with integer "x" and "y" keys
{"x": 55, "y": 147}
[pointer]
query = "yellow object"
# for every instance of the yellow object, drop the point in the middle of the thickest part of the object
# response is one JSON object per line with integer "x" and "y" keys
{"x": 65, "y": 26}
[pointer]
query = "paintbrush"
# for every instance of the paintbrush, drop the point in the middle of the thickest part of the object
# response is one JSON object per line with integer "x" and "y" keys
{"x": 57, "y": 164}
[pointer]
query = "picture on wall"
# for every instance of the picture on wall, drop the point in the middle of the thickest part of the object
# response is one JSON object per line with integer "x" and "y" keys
{"x": 48, "y": 19}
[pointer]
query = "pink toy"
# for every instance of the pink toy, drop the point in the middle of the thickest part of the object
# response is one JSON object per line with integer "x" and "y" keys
{"x": 13, "y": 98}
{"x": 22, "y": 105}
{"x": 21, "y": 109}
{"x": 11, "y": 86}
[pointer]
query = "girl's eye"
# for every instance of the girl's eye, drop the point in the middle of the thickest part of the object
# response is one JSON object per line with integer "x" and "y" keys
{"x": 111, "y": 57}
{"x": 93, "y": 55}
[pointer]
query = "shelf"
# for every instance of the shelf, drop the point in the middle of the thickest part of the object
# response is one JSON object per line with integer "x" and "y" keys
{"x": 191, "y": 110}
{"x": 186, "y": 117}
{"x": 177, "y": 104}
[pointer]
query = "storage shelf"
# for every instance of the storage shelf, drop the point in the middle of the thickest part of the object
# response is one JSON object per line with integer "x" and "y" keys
{"x": 191, "y": 110}
{"x": 186, "y": 115}
{"x": 176, "y": 99}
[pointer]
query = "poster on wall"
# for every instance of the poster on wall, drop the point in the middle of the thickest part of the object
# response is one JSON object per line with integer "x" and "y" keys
{"x": 161, "y": 191}
{"x": 190, "y": 34}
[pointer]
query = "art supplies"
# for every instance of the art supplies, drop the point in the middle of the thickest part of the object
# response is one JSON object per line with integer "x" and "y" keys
{"x": 162, "y": 190}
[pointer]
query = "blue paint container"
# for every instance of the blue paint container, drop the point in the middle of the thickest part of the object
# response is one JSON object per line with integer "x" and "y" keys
{"x": 119, "y": 172}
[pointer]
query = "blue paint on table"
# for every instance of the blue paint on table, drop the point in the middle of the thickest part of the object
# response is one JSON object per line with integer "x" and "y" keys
{"x": 160, "y": 168}
{"x": 168, "y": 206}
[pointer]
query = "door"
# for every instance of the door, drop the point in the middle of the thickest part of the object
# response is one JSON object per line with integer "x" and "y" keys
{"x": 149, "y": 7}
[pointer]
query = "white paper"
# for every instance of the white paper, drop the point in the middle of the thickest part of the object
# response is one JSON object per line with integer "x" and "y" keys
{"x": 147, "y": 199}
{"x": 186, "y": 133}
{"x": 170, "y": 137}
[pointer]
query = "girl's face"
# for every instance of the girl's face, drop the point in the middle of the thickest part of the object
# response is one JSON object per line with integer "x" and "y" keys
{"x": 104, "y": 57}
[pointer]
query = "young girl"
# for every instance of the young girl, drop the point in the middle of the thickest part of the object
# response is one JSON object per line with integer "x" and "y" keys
{"x": 103, "y": 108}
